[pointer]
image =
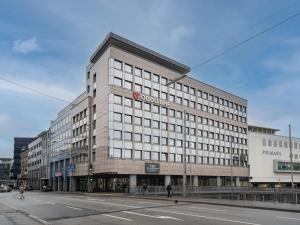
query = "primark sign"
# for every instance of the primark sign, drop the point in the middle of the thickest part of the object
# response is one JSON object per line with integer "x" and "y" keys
{"x": 146, "y": 98}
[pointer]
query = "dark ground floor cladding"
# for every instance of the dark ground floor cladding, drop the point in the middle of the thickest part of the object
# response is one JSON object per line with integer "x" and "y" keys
{"x": 119, "y": 183}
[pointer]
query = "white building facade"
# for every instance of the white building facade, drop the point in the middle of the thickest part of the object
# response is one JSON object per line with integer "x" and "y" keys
{"x": 269, "y": 158}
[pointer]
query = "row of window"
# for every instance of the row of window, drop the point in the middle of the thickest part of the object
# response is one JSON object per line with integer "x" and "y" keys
{"x": 171, "y": 157}
{"x": 148, "y": 139}
{"x": 35, "y": 163}
{"x": 59, "y": 124}
{"x": 171, "y": 113}
{"x": 79, "y": 116}
{"x": 181, "y": 101}
{"x": 35, "y": 154}
{"x": 178, "y": 86}
{"x": 280, "y": 144}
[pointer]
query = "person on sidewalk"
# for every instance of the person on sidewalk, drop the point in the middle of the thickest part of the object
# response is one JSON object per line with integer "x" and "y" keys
{"x": 22, "y": 190}
{"x": 169, "y": 189}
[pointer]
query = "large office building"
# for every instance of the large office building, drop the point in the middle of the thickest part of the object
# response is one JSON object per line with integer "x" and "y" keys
{"x": 60, "y": 150}
{"x": 269, "y": 158}
{"x": 131, "y": 128}
{"x": 19, "y": 144}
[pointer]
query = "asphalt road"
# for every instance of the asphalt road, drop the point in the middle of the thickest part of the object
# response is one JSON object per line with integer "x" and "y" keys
{"x": 77, "y": 209}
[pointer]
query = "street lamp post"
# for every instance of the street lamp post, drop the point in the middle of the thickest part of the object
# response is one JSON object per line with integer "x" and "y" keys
{"x": 291, "y": 160}
{"x": 231, "y": 167}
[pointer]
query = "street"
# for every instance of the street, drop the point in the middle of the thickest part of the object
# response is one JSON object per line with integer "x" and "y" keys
{"x": 74, "y": 209}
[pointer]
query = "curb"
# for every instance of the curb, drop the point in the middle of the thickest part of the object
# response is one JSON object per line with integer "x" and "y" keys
{"x": 217, "y": 203}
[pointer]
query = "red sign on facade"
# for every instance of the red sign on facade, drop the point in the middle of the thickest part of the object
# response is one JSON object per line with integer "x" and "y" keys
{"x": 58, "y": 174}
{"x": 136, "y": 95}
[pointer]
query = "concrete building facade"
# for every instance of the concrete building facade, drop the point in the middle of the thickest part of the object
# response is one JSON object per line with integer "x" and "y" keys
{"x": 24, "y": 167}
{"x": 38, "y": 155}
{"x": 135, "y": 126}
{"x": 269, "y": 158}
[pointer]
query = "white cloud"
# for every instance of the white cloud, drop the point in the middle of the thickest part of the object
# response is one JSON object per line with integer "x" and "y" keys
{"x": 26, "y": 46}
{"x": 181, "y": 32}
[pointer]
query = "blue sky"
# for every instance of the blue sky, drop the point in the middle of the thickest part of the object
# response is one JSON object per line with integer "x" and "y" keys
{"x": 46, "y": 45}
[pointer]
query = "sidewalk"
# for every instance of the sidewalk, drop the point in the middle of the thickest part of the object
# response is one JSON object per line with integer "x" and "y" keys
{"x": 224, "y": 202}
{"x": 10, "y": 216}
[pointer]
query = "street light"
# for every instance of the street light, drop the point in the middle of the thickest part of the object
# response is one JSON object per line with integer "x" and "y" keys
{"x": 184, "y": 139}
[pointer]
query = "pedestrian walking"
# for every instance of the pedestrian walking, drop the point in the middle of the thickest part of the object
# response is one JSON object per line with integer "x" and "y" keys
{"x": 144, "y": 188}
{"x": 22, "y": 190}
{"x": 169, "y": 189}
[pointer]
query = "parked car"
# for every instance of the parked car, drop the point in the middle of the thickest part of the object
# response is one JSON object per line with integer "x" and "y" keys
{"x": 47, "y": 188}
{"x": 5, "y": 188}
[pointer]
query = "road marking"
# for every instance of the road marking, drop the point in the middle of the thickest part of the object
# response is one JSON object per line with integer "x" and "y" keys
{"x": 207, "y": 208}
{"x": 117, "y": 217}
{"x": 94, "y": 199}
{"x": 206, "y": 217}
{"x": 51, "y": 203}
{"x": 39, "y": 220}
{"x": 288, "y": 218}
{"x": 73, "y": 208}
{"x": 157, "y": 217}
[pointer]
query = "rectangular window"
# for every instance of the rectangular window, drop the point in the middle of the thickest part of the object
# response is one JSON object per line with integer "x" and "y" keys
{"x": 128, "y": 119}
{"x": 147, "y": 155}
{"x": 127, "y": 153}
{"x": 128, "y": 68}
{"x": 155, "y": 109}
{"x": 147, "y": 91}
{"x": 155, "y": 140}
{"x": 163, "y": 80}
{"x": 128, "y": 85}
{"x": 164, "y": 141}
{"x": 128, "y": 102}
{"x": 138, "y": 88}
{"x": 155, "y": 93}
{"x": 138, "y": 137}
{"x": 118, "y": 65}
{"x": 138, "y": 72}
{"x": 117, "y": 117}
{"x": 138, "y": 104}
{"x": 155, "y": 78}
{"x": 117, "y": 135}
{"x": 147, "y": 123}
{"x": 147, "y": 107}
{"x": 138, "y": 121}
{"x": 138, "y": 154}
{"x": 147, "y": 75}
{"x": 164, "y": 126}
{"x": 163, "y": 111}
{"x": 128, "y": 136}
{"x": 117, "y": 81}
{"x": 147, "y": 139}
{"x": 117, "y": 153}
{"x": 155, "y": 124}
{"x": 118, "y": 99}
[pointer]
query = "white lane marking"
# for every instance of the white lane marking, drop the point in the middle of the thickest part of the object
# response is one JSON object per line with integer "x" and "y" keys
{"x": 158, "y": 217}
{"x": 73, "y": 208}
{"x": 206, "y": 217}
{"x": 117, "y": 217}
{"x": 207, "y": 208}
{"x": 51, "y": 203}
{"x": 94, "y": 199}
{"x": 288, "y": 218}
